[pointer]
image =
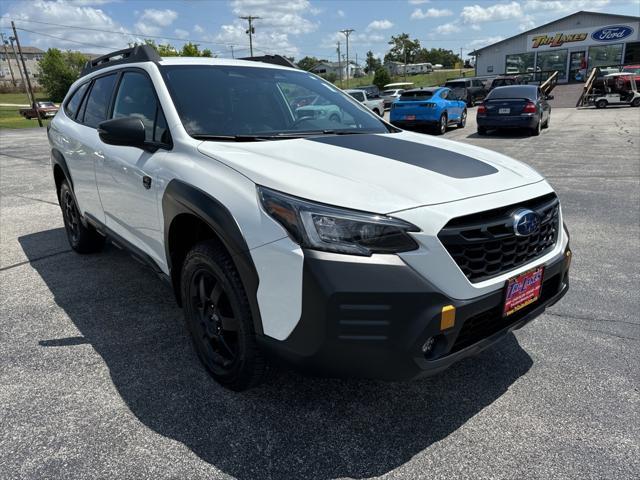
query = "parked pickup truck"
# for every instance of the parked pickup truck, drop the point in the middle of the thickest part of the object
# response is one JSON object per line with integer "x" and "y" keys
{"x": 376, "y": 105}
{"x": 46, "y": 110}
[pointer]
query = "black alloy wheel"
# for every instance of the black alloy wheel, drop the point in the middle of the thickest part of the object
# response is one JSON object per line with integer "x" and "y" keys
{"x": 214, "y": 322}
{"x": 82, "y": 238}
{"x": 218, "y": 317}
{"x": 71, "y": 216}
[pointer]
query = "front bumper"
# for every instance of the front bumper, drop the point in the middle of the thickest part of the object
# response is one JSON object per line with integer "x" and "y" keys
{"x": 370, "y": 319}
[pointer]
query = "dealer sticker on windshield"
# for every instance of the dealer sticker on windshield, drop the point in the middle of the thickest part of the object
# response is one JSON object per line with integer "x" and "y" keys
{"x": 522, "y": 290}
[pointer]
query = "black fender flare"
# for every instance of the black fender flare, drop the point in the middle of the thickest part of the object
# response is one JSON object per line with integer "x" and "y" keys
{"x": 58, "y": 159}
{"x": 182, "y": 198}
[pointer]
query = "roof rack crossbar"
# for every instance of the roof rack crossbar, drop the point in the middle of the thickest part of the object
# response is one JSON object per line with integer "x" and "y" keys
{"x": 139, "y": 53}
{"x": 273, "y": 59}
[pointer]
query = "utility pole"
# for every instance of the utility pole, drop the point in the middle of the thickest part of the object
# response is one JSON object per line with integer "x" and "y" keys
{"x": 250, "y": 31}
{"x": 15, "y": 55}
{"x": 26, "y": 74}
{"x": 339, "y": 64}
{"x": 232, "y": 55}
{"x": 6, "y": 54}
{"x": 461, "y": 61}
{"x": 346, "y": 33}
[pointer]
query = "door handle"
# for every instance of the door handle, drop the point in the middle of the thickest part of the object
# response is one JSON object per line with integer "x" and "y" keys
{"x": 146, "y": 182}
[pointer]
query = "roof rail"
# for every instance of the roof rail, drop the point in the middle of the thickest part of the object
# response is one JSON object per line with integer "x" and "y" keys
{"x": 139, "y": 53}
{"x": 273, "y": 59}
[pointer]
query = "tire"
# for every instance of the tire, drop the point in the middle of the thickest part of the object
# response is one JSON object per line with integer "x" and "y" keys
{"x": 546, "y": 124}
{"x": 463, "y": 119}
{"x": 375, "y": 110}
{"x": 482, "y": 131}
{"x": 535, "y": 131}
{"x": 334, "y": 118}
{"x": 470, "y": 102}
{"x": 82, "y": 239}
{"x": 441, "y": 129}
{"x": 602, "y": 103}
{"x": 635, "y": 102}
{"x": 218, "y": 317}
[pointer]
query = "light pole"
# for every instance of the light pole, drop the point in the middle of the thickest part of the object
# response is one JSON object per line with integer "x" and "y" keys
{"x": 250, "y": 31}
{"x": 346, "y": 33}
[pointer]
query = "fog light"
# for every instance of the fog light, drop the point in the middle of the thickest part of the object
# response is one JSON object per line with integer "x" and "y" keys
{"x": 428, "y": 345}
{"x": 567, "y": 256}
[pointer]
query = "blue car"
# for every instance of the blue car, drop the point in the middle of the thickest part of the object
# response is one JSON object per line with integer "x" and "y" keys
{"x": 436, "y": 107}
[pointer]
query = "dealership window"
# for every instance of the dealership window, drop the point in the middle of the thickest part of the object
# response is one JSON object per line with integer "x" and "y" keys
{"x": 519, "y": 63}
{"x": 553, "y": 60}
{"x": 605, "y": 55}
{"x": 632, "y": 53}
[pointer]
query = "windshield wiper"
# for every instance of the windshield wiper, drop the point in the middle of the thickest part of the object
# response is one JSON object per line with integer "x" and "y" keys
{"x": 236, "y": 138}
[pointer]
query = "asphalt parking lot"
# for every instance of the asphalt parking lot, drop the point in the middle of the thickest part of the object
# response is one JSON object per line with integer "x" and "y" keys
{"x": 98, "y": 378}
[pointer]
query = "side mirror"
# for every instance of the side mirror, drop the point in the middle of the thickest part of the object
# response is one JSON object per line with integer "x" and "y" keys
{"x": 549, "y": 97}
{"x": 126, "y": 131}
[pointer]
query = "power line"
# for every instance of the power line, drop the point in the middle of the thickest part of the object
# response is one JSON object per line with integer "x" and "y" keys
{"x": 134, "y": 34}
{"x": 68, "y": 40}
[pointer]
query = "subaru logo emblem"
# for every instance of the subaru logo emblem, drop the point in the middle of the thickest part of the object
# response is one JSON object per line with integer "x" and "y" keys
{"x": 525, "y": 222}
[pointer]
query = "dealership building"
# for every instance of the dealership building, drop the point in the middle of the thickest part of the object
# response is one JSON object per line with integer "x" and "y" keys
{"x": 569, "y": 45}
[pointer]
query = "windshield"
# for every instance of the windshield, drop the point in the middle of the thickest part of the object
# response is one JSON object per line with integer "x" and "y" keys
{"x": 218, "y": 100}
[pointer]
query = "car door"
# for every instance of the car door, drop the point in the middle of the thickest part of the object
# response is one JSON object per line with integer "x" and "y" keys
{"x": 544, "y": 106}
{"x": 450, "y": 104}
{"x": 83, "y": 143}
{"x": 126, "y": 176}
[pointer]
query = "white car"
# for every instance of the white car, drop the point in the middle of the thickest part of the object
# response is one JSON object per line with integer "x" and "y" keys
{"x": 376, "y": 105}
{"x": 347, "y": 247}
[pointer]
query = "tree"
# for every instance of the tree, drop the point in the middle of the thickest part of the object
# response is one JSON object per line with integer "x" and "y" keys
{"x": 190, "y": 50}
{"x": 444, "y": 57}
{"x": 381, "y": 78}
{"x": 58, "y": 70}
{"x": 371, "y": 63}
{"x": 401, "y": 45}
{"x": 207, "y": 53}
{"x": 307, "y": 63}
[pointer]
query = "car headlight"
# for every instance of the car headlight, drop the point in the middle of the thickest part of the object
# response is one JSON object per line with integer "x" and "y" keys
{"x": 321, "y": 227}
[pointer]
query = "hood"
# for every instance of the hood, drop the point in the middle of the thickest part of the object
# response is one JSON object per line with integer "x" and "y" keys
{"x": 380, "y": 173}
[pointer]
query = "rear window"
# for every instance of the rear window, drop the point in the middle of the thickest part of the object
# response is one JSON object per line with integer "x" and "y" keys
{"x": 456, "y": 84}
{"x": 528, "y": 92}
{"x": 419, "y": 95}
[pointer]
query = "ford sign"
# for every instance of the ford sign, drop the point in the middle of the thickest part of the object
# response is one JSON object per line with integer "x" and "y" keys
{"x": 612, "y": 33}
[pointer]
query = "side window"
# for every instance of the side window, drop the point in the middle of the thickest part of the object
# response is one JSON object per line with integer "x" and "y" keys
{"x": 71, "y": 108}
{"x": 136, "y": 98}
{"x": 97, "y": 104}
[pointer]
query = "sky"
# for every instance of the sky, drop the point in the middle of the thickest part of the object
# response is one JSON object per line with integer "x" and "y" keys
{"x": 293, "y": 27}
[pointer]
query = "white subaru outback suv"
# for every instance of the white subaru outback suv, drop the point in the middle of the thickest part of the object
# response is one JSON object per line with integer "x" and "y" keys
{"x": 342, "y": 245}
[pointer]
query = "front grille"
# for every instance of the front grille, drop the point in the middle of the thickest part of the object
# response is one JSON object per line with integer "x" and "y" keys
{"x": 484, "y": 244}
{"x": 491, "y": 321}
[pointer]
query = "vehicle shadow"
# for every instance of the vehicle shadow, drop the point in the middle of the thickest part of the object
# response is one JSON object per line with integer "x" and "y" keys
{"x": 292, "y": 426}
{"x": 508, "y": 133}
